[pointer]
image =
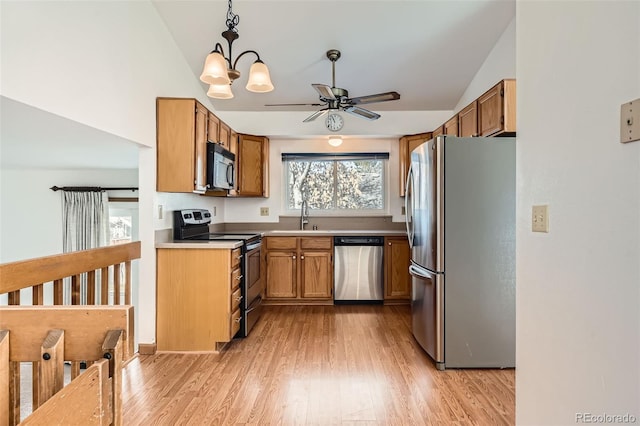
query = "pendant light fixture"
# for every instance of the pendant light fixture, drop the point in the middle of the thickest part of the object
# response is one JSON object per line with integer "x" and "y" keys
{"x": 220, "y": 71}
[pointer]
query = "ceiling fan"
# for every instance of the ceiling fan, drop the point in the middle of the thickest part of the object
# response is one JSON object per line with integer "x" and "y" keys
{"x": 335, "y": 98}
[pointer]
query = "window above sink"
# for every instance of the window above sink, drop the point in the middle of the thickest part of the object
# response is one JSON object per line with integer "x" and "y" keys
{"x": 341, "y": 184}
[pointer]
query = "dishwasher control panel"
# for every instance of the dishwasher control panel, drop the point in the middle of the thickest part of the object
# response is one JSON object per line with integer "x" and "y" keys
{"x": 358, "y": 241}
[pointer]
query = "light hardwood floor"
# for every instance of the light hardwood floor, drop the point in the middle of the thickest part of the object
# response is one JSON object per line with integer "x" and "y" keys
{"x": 316, "y": 365}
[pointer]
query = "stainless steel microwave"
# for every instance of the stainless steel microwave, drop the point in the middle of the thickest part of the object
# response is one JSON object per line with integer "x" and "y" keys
{"x": 220, "y": 167}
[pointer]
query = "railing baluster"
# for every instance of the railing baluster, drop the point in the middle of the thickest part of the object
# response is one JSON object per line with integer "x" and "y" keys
{"x": 91, "y": 288}
{"x": 14, "y": 297}
{"x": 75, "y": 369}
{"x": 37, "y": 299}
{"x": 14, "y": 392}
{"x": 75, "y": 290}
{"x": 113, "y": 347}
{"x": 127, "y": 283}
{"x": 51, "y": 365}
{"x": 5, "y": 377}
{"x": 104, "y": 288}
{"x": 58, "y": 292}
{"x": 116, "y": 284}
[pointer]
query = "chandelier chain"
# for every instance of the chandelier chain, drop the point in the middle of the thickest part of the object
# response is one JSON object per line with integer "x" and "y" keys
{"x": 232, "y": 19}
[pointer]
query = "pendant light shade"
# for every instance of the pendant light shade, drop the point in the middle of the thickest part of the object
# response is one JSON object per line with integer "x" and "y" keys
{"x": 215, "y": 70}
{"x": 259, "y": 78}
{"x": 220, "y": 91}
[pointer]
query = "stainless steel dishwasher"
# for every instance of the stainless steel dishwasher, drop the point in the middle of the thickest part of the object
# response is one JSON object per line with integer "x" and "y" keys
{"x": 358, "y": 276}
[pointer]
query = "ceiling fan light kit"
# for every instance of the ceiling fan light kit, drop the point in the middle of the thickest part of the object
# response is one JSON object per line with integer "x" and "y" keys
{"x": 220, "y": 70}
{"x": 335, "y": 140}
{"x": 337, "y": 99}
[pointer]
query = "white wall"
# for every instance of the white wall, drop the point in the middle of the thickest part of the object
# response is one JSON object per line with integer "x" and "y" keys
{"x": 31, "y": 213}
{"x": 500, "y": 64}
{"x": 248, "y": 210}
{"x": 102, "y": 64}
{"x": 578, "y": 287}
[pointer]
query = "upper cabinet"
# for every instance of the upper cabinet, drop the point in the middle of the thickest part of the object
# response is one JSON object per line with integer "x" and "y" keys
{"x": 451, "y": 126}
{"x": 497, "y": 110}
{"x": 252, "y": 165}
{"x": 407, "y": 144}
{"x": 492, "y": 114}
{"x": 468, "y": 120}
{"x": 225, "y": 135}
{"x": 184, "y": 126}
{"x": 181, "y": 145}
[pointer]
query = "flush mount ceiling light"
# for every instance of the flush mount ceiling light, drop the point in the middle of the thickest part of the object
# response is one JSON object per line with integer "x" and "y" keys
{"x": 335, "y": 140}
{"x": 220, "y": 71}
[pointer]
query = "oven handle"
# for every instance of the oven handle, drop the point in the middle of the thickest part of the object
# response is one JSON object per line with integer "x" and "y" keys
{"x": 256, "y": 302}
{"x": 254, "y": 246}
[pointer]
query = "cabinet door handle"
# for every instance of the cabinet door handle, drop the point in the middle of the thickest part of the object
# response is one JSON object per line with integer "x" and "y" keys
{"x": 239, "y": 257}
{"x": 239, "y": 277}
{"x": 302, "y": 257}
{"x": 239, "y": 298}
{"x": 293, "y": 257}
{"x": 237, "y": 319}
{"x": 389, "y": 243}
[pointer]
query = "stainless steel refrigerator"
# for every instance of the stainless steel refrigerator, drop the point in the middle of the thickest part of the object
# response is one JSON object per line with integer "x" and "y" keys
{"x": 460, "y": 207}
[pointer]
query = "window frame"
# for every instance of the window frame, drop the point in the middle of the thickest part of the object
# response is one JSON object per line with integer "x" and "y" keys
{"x": 384, "y": 157}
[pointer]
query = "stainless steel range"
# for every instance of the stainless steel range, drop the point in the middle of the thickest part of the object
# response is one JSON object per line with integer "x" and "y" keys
{"x": 193, "y": 225}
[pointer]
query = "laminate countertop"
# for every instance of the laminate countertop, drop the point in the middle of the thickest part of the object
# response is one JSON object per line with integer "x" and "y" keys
{"x": 275, "y": 233}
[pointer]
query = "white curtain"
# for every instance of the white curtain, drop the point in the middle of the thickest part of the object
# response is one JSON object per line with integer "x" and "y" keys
{"x": 85, "y": 225}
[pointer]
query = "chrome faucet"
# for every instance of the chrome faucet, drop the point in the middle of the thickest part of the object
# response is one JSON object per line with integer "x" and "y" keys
{"x": 304, "y": 214}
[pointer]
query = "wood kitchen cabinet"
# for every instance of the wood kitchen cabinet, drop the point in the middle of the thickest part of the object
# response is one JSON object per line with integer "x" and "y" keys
{"x": 451, "y": 126}
{"x": 397, "y": 281}
{"x": 213, "y": 128}
{"x": 497, "y": 110}
{"x": 299, "y": 269}
{"x": 406, "y": 145}
{"x": 252, "y": 164}
{"x": 225, "y": 135}
{"x": 198, "y": 298}
{"x": 181, "y": 145}
{"x": 468, "y": 120}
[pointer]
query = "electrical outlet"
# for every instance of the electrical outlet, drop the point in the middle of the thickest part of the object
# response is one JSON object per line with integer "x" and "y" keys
{"x": 264, "y": 211}
{"x": 215, "y": 212}
{"x": 540, "y": 219}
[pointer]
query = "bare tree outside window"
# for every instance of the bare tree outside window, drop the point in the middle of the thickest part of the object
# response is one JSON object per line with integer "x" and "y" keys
{"x": 335, "y": 185}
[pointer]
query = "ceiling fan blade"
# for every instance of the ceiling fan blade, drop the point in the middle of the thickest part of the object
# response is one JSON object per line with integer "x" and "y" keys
{"x": 324, "y": 91}
{"x": 362, "y": 113}
{"x": 270, "y": 105}
{"x": 380, "y": 97}
{"x": 315, "y": 115}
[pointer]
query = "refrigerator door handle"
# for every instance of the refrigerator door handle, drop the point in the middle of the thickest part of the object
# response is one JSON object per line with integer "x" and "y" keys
{"x": 408, "y": 209}
{"x": 419, "y": 272}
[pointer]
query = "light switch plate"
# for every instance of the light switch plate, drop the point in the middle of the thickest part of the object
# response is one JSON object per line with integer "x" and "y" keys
{"x": 630, "y": 121}
{"x": 264, "y": 211}
{"x": 540, "y": 218}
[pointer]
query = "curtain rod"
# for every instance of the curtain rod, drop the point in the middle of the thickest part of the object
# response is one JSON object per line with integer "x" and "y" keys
{"x": 90, "y": 188}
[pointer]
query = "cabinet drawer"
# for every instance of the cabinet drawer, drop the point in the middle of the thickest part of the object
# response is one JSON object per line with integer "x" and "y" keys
{"x": 236, "y": 297}
{"x": 321, "y": 243}
{"x": 236, "y": 255}
{"x": 282, "y": 243}
{"x": 236, "y": 277}
{"x": 235, "y": 322}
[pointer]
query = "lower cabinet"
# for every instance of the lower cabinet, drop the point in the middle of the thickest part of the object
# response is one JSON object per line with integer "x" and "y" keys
{"x": 198, "y": 298}
{"x": 397, "y": 281}
{"x": 299, "y": 268}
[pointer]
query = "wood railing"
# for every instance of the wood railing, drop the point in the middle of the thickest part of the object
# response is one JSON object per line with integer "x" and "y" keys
{"x": 47, "y": 336}
{"x": 89, "y": 277}
{"x": 100, "y": 266}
